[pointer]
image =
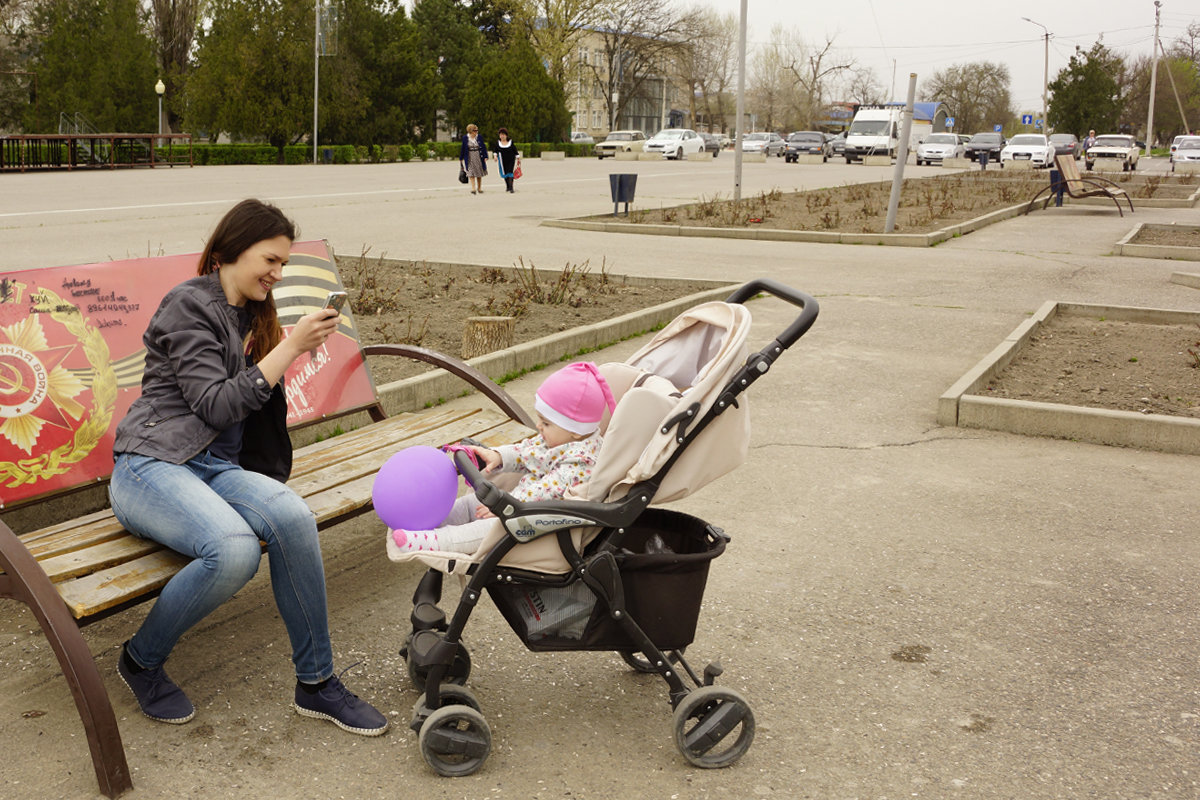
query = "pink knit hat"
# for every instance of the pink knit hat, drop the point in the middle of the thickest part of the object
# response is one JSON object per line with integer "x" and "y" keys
{"x": 574, "y": 398}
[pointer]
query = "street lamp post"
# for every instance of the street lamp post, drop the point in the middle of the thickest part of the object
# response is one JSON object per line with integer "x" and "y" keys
{"x": 1045, "y": 76}
{"x": 159, "y": 89}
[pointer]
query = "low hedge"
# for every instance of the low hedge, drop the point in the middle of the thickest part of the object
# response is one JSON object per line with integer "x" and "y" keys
{"x": 204, "y": 153}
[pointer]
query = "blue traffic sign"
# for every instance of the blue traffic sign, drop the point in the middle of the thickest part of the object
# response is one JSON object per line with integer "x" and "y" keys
{"x": 1037, "y": 123}
{"x": 1026, "y": 119}
{"x": 997, "y": 128}
{"x": 949, "y": 122}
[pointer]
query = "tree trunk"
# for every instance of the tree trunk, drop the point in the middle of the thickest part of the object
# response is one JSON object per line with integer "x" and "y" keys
{"x": 486, "y": 334}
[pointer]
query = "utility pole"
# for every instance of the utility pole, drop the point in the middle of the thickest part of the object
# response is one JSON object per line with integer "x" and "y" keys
{"x": 739, "y": 128}
{"x": 1153, "y": 80}
{"x": 1045, "y": 76}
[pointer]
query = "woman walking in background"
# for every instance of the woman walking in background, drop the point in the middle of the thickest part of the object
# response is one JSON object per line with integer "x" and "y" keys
{"x": 508, "y": 156}
{"x": 473, "y": 157}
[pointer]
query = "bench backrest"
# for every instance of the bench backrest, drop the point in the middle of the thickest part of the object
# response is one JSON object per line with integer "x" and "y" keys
{"x": 71, "y": 360}
{"x": 1069, "y": 169}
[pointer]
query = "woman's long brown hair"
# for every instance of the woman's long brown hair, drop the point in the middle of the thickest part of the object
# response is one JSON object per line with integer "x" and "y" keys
{"x": 244, "y": 225}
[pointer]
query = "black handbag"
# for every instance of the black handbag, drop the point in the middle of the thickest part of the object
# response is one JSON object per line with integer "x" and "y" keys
{"x": 462, "y": 175}
{"x": 266, "y": 445}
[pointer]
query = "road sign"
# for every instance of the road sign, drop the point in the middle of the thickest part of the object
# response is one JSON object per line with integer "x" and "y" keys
{"x": 1037, "y": 124}
{"x": 949, "y": 122}
{"x": 997, "y": 128}
{"x": 1027, "y": 119}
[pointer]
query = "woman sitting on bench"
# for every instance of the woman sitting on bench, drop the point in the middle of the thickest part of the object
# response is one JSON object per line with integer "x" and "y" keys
{"x": 214, "y": 358}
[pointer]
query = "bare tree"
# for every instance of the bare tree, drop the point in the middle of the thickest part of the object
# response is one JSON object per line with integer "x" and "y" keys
{"x": 641, "y": 39}
{"x": 706, "y": 68}
{"x": 814, "y": 69}
{"x": 977, "y": 94}
{"x": 861, "y": 85}
{"x": 555, "y": 27}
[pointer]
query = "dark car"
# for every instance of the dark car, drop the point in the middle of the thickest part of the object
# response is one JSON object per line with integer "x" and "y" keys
{"x": 1066, "y": 144}
{"x": 712, "y": 143}
{"x": 987, "y": 142}
{"x": 837, "y": 145}
{"x": 807, "y": 143}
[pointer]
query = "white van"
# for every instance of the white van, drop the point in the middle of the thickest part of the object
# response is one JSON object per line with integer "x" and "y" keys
{"x": 876, "y": 128}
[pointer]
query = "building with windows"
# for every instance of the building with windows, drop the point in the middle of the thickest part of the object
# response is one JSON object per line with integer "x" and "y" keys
{"x": 651, "y": 109}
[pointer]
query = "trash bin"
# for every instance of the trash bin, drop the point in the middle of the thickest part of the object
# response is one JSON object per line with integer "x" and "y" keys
{"x": 1057, "y": 187}
{"x": 327, "y": 154}
{"x": 983, "y": 159}
{"x": 623, "y": 186}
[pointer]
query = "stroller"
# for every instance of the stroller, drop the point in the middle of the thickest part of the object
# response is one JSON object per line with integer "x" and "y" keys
{"x": 599, "y": 569}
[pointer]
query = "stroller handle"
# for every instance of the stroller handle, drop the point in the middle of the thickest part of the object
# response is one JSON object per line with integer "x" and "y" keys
{"x": 809, "y": 308}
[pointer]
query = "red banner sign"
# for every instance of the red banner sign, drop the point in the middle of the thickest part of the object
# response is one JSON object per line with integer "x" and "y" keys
{"x": 71, "y": 359}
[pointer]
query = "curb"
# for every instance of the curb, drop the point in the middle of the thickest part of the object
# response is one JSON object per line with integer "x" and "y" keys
{"x": 930, "y": 239}
{"x": 435, "y": 386}
{"x": 961, "y": 407}
{"x": 1168, "y": 251}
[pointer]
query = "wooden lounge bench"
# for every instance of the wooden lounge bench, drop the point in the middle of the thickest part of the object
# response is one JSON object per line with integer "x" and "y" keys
{"x": 67, "y": 375}
{"x": 1077, "y": 186}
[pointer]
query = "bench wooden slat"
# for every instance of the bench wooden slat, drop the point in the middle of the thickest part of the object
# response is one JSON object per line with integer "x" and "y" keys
{"x": 100, "y": 557}
{"x": 105, "y": 589}
{"x": 100, "y": 566}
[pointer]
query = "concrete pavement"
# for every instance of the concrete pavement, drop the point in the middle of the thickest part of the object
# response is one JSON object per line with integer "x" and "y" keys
{"x": 913, "y": 611}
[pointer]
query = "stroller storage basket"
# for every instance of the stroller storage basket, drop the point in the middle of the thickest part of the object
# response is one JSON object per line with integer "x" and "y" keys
{"x": 663, "y": 560}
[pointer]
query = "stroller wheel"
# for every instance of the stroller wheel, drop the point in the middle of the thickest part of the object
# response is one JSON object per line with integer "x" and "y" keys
{"x": 641, "y": 663}
{"x": 714, "y": 727}
{"x": 455, "y": 741}
{"x": 460, "y": 668}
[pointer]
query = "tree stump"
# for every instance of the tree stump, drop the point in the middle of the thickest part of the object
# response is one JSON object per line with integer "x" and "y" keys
{"x": 485, "y": 334}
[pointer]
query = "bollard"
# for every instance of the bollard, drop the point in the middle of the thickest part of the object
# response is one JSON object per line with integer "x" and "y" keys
{"x": 1057, "y": 182}
{"x": 983, "y": 159}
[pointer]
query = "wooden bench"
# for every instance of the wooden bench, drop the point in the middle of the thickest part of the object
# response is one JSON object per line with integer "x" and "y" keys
{"x": 1077, "y": 186}
{"x": 67, "y": 376}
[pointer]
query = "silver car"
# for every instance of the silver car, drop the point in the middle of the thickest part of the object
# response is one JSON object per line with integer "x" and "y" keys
{"x": 770, "y": 144}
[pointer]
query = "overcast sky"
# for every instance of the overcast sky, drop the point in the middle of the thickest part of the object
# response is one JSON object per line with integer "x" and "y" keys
{"x": 923, "y": 36}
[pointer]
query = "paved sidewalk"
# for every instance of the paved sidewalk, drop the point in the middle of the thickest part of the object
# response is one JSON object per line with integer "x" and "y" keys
{"x": 912, "y": 610}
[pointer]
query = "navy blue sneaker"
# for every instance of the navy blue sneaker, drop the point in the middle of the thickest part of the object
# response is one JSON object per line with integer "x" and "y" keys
{"x": 157, "y": 695}
{"x": 342, "y": 707}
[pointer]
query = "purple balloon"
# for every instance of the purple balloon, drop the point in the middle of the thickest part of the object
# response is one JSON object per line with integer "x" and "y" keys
{"x": 415, "y": 488}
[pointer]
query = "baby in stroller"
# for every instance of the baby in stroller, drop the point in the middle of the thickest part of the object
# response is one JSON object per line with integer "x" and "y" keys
{"x": 570, "y": 405}
{"x": 599, "y": 569}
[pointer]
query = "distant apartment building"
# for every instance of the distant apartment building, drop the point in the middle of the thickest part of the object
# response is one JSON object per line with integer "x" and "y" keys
{"x": 650, "y": 110}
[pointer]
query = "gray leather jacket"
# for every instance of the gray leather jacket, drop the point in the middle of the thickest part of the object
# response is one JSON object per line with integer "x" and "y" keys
{"x": 196, "y": 382}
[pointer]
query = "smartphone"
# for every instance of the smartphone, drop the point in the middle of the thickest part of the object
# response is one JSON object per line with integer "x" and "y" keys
{"x": 336, "y": 300}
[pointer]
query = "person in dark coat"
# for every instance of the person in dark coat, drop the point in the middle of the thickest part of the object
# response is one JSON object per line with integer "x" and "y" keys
{"x": 508, "y": 157}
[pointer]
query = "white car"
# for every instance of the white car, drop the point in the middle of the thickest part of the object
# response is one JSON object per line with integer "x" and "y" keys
{"x": 771, "y": 144}
{"x": 579, "y": 137}
{"x": 620, "y": 142}
{"x": 938, "y": 147}
{"x": 1187, "y": 151}
{"x": 1112, "y": 146}
{"x": 1032, "y": 147}
{"x": 674, "y": 143}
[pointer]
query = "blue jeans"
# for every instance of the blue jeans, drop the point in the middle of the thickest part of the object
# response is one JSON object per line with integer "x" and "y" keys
{"x": 215, "y": 513}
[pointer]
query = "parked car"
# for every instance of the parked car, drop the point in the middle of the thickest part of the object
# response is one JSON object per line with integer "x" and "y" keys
{"x": 726, "y": 141}
{"x": 770, "y": 144}
{"x": 986, "y": 142}
{"x": 674, "y": 143}
{"x": 937, "y": 147}
{"x": 579, "y": 137}
{"x": 808, "y": 143}
{"x": 1066, "y": 144}
{"x": 837, "y": 144}
{"x": 1175, "y": 142}
{"x": 1114, "y": 146}
{"x": 1187, "y": 150}
{"x": 1032, "y": 147}
{"x": 620, "y": 141}
{"x": 712, "y": 143}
